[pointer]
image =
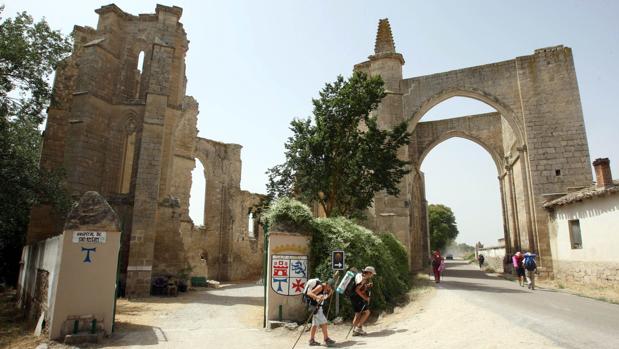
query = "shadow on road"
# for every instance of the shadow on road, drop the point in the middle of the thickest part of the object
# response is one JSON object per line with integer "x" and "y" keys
{"x": 132, "y": 334}
{"x": 385, "y": 332}
{"x": 214, "y": 296}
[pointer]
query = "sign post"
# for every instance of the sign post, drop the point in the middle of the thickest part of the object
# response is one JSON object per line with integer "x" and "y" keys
{"x": 337, "y": 263}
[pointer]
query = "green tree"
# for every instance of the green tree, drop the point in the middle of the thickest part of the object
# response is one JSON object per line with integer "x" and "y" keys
{"x": 341, "y": 157}
{"x": 443, "y": 227}
{"x": 29, "y": 52}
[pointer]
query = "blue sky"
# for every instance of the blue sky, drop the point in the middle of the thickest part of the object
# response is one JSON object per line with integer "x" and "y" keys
{"x": 255, "y": 65}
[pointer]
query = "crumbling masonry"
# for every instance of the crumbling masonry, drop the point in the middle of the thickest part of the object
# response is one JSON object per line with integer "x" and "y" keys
{"x": 126, "y": 129}
{"x": 536, "y": 138}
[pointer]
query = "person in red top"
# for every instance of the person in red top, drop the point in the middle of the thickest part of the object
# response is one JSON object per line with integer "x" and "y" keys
{"x": 517, "y": 260}
{"x": 436, "y": 265}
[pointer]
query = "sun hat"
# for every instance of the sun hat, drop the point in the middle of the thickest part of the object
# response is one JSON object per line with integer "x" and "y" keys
{"x": 369, "y": 269}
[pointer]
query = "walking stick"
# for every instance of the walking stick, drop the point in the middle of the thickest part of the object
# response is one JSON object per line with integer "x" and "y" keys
{"x": 337, "y": 279}
{"x": 362, "y": 309}
{"x": 307, "y": 321}
{"x": 304, "y": 327}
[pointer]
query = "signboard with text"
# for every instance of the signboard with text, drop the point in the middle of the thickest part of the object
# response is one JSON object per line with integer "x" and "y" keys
{"x": 91, "y": 237}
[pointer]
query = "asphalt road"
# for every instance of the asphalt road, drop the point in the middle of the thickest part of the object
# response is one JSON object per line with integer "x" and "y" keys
{"x": 567, "y": 320}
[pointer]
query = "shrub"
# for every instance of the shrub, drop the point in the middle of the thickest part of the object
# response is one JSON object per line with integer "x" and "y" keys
{"x": 362, "y": 248}
{"x": 288, "y": 212}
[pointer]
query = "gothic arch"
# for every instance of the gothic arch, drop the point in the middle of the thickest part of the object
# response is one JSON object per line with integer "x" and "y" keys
{"x": 469, "y": 92}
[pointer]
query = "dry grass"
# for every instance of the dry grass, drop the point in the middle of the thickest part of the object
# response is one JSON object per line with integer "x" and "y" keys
{"x": 15, "y": 332}
{"x": 606, "y": 294}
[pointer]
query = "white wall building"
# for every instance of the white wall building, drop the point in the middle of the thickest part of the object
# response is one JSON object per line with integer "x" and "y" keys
{"x": 584, "y": 231}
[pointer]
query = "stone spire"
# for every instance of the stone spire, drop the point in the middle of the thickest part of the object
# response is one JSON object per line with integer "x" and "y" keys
{"x": 384, "y": 38}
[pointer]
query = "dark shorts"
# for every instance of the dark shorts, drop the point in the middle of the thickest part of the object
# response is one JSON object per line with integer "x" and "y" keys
{"x": 520, "y": 271}
{"x": 358, "y": 304}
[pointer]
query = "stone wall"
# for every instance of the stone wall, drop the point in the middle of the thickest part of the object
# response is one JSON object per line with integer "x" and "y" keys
{"x": 587, "y": 274}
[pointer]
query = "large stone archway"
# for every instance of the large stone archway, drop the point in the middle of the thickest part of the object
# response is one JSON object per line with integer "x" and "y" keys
{"x": 536, "y": 138}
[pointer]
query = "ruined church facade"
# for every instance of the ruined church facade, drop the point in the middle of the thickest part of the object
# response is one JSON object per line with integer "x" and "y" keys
{"x": 536, "y": 139}
{"x": 121, "y": 124}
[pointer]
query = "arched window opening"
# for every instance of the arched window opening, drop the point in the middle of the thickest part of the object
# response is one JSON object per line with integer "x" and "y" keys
{"x": 138, "y": 74}
{"x": 128, "y": 157}
{"x": 197, "y": 195}
{"x": 250, "y": 225}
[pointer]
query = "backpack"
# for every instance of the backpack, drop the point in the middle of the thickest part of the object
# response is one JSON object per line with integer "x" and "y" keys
{"x": 310, "y": 285}
{"x": 350, "y": 288}
{"x": 529, "y": 263}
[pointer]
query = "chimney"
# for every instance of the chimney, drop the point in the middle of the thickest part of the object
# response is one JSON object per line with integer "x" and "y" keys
{"x": 602, "y": 173}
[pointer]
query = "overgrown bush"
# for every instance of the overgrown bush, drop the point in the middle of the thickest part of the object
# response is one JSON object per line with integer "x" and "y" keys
{"x": 289, "y": 213}
{"x": 362, "y": 247}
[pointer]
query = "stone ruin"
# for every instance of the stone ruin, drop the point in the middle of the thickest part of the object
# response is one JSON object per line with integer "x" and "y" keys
{"x": 536, "y": 139}
{"x": 126, "y": 129}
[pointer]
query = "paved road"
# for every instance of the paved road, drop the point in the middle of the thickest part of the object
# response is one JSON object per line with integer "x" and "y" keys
{"x": 567, "y": 320}
{"x": 469, "y": 310}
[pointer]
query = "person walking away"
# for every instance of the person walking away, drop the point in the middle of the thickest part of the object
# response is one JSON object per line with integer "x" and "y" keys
{"x": 317, "y": 296}
{"x": 530, "y": 267}
{"x": 517, "y": 260}
{"x": 437, "y": 260}
{"x": 360, "y": 299}
{"x": 481, "y": 259}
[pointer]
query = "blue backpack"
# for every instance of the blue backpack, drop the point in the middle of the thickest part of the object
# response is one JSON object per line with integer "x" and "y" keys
{"x": 529, "y": 263}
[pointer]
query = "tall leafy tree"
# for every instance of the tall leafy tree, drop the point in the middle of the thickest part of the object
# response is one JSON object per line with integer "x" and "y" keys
{"x": 443, "y": 227}
{"x": 340, "y": 158}
{"x": 29, "y": 52}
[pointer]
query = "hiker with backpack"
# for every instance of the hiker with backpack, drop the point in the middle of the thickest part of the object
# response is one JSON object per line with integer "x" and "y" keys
{"x": 438, "y": 265}
{"x": 359, "y": 291}
{"x": 530, "y": 267}
{"x": 314, "y": 295}
{"x": 517, "y": 260}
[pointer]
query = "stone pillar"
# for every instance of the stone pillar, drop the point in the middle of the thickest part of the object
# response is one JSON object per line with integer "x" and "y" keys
{"x": 288, "y": 271}
{"x": 514, "y": 206}
{"x": 506, "y": 232}
{"x": 146, "y": 201}
{"x": 85, "y": 286}
{"x": 526, "y": 192}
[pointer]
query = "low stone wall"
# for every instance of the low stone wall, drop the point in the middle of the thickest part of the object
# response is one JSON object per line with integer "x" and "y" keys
{"x": 589, "y": 274}
{"x": 494, "y": 258}
{"x": 494, "y": 263}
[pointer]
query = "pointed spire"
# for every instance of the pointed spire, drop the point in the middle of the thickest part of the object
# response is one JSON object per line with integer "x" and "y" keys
{"x": 384, "y": 38}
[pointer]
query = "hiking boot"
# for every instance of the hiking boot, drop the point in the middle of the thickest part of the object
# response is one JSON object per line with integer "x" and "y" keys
{"x": 358, "y": 332}
{"x": 329, "y": 341}
{"x": 313, "y": 343}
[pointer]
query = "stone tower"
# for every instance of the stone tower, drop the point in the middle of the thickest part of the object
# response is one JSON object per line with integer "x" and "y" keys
{"x": 121, "y": 124}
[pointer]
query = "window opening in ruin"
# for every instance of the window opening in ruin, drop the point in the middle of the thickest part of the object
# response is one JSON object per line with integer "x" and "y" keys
{"x": 250, "y": 226}
{"x": 138, "y": 75}
{"x": 557, "y": 172}
{"x": 575, "y": 237}
{"x": 127, "y": 164}
{"x": 197, "y": 196}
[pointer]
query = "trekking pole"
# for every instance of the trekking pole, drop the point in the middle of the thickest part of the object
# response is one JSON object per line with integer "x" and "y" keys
{"x": 306, "y": 322}
{"x": 362, "y": 309}
{"x": 337, "y": 279}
